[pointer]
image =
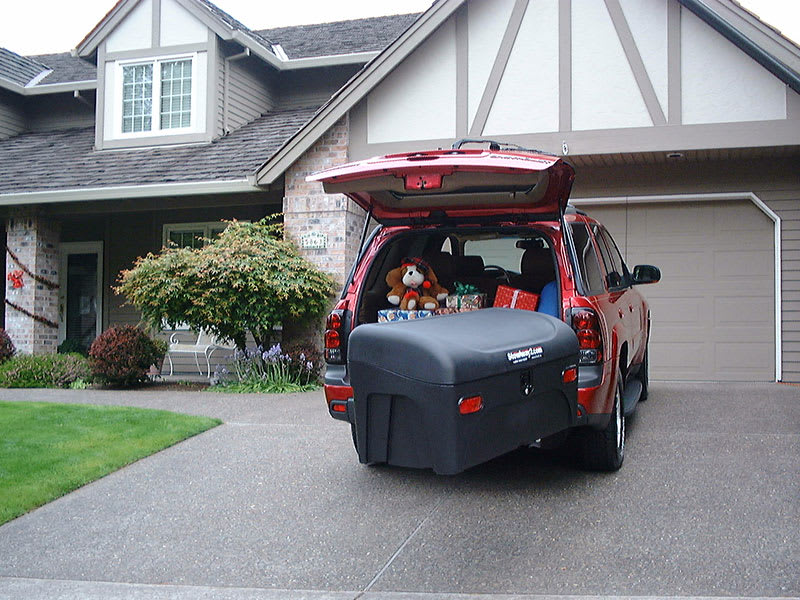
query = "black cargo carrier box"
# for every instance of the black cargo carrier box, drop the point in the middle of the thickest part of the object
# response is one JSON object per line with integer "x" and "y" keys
{"x": 507, "y": 368}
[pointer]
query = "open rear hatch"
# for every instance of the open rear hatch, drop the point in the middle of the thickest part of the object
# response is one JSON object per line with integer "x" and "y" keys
{"x": 458, "y": 183}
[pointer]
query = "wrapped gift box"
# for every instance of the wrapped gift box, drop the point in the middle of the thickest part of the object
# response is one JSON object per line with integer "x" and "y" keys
{"x": 466, "y": 301}
{"x": 396, "y": 314}
{"x": 508, "y": 297}
{"x": 451, "y": 311}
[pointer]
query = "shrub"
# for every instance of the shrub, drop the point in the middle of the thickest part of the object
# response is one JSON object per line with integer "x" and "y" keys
{"x": 248, "y": 280}
{"x": 121, "y": 356}
{"x": 7, "y": 349}
{"x": 44, "y": 370}
{"x": 70, "y": 346}
{"x": 266, "y": 371}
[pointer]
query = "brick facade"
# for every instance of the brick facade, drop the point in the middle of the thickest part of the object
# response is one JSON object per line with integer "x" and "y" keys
{"x": 34, "y": 241}
{"x": 308, "y": 209}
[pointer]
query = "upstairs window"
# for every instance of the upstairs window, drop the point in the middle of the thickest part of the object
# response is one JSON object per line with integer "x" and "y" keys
{"x": 157, "y": 96}
{"x": 176, "y": 94}
{"x": 137, "y": 98}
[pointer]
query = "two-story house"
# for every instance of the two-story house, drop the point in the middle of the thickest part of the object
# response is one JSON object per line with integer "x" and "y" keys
{"x": 682, "y": 118}
{"x": 150, "y": 131}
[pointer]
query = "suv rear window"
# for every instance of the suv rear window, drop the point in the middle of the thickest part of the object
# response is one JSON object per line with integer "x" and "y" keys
{"x": 483, "y": 258}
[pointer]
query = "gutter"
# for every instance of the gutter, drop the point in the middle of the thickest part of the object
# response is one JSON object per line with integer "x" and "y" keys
{"x": 745, "y": 44}
{"x": 355, "y": 58}
{"x": 51, "y": 88}
{"x": 130, "y": 191}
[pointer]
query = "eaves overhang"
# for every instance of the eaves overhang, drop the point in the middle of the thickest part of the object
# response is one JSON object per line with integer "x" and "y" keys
{"x": 333, "y": 60}
{"x": 131, "y": 191}
{"x": 52, "y": 88}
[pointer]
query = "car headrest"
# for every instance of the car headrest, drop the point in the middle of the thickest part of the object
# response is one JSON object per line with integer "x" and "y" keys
{"x": 469, "y": 265}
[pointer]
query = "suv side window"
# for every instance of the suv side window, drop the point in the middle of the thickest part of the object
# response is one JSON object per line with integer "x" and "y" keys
{"x": 588, "y": 265}
{"x": 615, "y": 266}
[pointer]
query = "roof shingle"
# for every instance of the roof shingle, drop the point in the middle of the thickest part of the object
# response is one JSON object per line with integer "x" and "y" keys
{"x": 66, "y": 68}
{"x": 62, "y": 160}
{"x": 19, "y": 69}
{"x": 342, "y": 37}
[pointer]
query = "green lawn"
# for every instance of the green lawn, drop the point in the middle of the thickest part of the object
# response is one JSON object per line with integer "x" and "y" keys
{"x": 48, "y": 450}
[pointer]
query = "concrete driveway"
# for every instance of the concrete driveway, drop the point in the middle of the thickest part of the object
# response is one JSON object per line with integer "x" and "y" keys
{"x": 274, "y": 504}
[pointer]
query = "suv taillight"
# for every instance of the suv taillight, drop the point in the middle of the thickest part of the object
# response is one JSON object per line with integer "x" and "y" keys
{"x": 590, "y": 337}
{"x": 336, "y": 334}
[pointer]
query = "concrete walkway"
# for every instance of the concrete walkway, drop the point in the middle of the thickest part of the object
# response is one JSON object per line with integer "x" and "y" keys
{"x": 274, "y": 504}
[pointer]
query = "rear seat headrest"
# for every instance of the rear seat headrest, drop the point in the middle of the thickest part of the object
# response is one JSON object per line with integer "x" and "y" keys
{"x": 469, "y": 265}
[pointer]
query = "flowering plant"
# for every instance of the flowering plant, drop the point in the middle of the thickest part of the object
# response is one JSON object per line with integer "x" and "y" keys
{"x": 267, "y": 371}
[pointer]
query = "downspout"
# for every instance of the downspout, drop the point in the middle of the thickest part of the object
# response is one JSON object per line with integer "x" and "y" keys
{"x": 226, "y": 86}
{"x": 753, "y": 50}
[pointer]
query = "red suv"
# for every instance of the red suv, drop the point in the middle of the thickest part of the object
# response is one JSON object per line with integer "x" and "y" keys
{"x": 455, "y": 390}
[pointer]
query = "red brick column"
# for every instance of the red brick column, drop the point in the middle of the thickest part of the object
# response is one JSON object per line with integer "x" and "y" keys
{"x": 33, "y": 241}
{"x": 308, "y": 209}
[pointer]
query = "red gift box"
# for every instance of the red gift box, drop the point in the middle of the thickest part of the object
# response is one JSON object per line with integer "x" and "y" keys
{"x": 508, "y": 297}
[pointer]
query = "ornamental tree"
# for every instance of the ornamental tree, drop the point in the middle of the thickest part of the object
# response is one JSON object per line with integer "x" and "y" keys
{"x": 247, "y": 280}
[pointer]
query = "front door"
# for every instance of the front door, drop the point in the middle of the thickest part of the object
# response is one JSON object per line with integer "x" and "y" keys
{"x": 80, "y": 293}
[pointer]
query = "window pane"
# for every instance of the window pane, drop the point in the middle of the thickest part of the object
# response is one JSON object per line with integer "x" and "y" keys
{"x": 137, "y": 92}
{"x": 619, "y": 275}
{"x": 187, "y": 238}
{"x": 588, "y": 265}
{"x": 176, "y": 94}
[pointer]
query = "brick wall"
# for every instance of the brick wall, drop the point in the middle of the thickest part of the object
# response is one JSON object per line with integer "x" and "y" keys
{"x": 307, "y": 208}
{"x": 34, "y": 241}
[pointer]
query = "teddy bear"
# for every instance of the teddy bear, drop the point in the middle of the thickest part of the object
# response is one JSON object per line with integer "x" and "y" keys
{"x": 414, "y": 286}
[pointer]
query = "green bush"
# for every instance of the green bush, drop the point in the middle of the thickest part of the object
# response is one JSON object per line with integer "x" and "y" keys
{"x": 248, "y": 280}
{"x": 44, "y": 370}
{"x": 70, "y": 346}
{"x": 121, "y": 356}
{"x": 7, "y": 349}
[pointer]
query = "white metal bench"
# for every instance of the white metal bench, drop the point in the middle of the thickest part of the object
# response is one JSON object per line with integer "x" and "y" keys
{"x": 205, "y": 345}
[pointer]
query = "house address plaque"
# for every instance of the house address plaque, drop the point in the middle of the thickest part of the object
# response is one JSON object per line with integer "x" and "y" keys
{"x": 314, "y": 240}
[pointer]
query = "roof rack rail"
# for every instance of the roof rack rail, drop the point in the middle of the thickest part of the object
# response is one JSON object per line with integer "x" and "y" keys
{"x": 495, "y": 145}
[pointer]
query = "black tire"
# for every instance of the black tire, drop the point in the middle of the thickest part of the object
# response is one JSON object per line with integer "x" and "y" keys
{"x": 644, "y": 374}
{"x": 604, "y": 449}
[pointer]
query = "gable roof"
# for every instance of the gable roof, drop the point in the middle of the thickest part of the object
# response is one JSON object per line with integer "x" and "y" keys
{"x": 788, "y": 73}
{"x": 341, "y": 37}
{"x": 19, "y": 70}
{"x": 355, "y": 89}
{"x": 63, "y": 165}
{"x": 373, "y": 73}
{"x": 66, "y": 68}
{"x": 216, "y": 19}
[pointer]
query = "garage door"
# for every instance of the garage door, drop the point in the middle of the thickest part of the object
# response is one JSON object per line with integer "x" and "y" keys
{"x": 714, "y": 310}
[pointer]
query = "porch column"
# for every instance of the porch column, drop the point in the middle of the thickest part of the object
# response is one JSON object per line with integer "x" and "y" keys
{"x": 32, "y": 283}
{"x": 316, "y": 218}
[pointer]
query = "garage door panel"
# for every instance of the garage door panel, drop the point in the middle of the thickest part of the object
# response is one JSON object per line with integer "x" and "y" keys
{"x": 713, "y": 311}
{"x": 743, "y": 312}
{"x": 677, "y": 310}
{"x": 684, "y": 263}
{"x": 734, "y": 361}
{"x": 742, "y": 264}
{"x": 669, "y": 358}
{"x": 739, "y": 218}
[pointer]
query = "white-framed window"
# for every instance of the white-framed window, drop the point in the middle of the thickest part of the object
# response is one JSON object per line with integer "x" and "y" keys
{"x": 158, "y": 96}
{"x": 192, "y": 235}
